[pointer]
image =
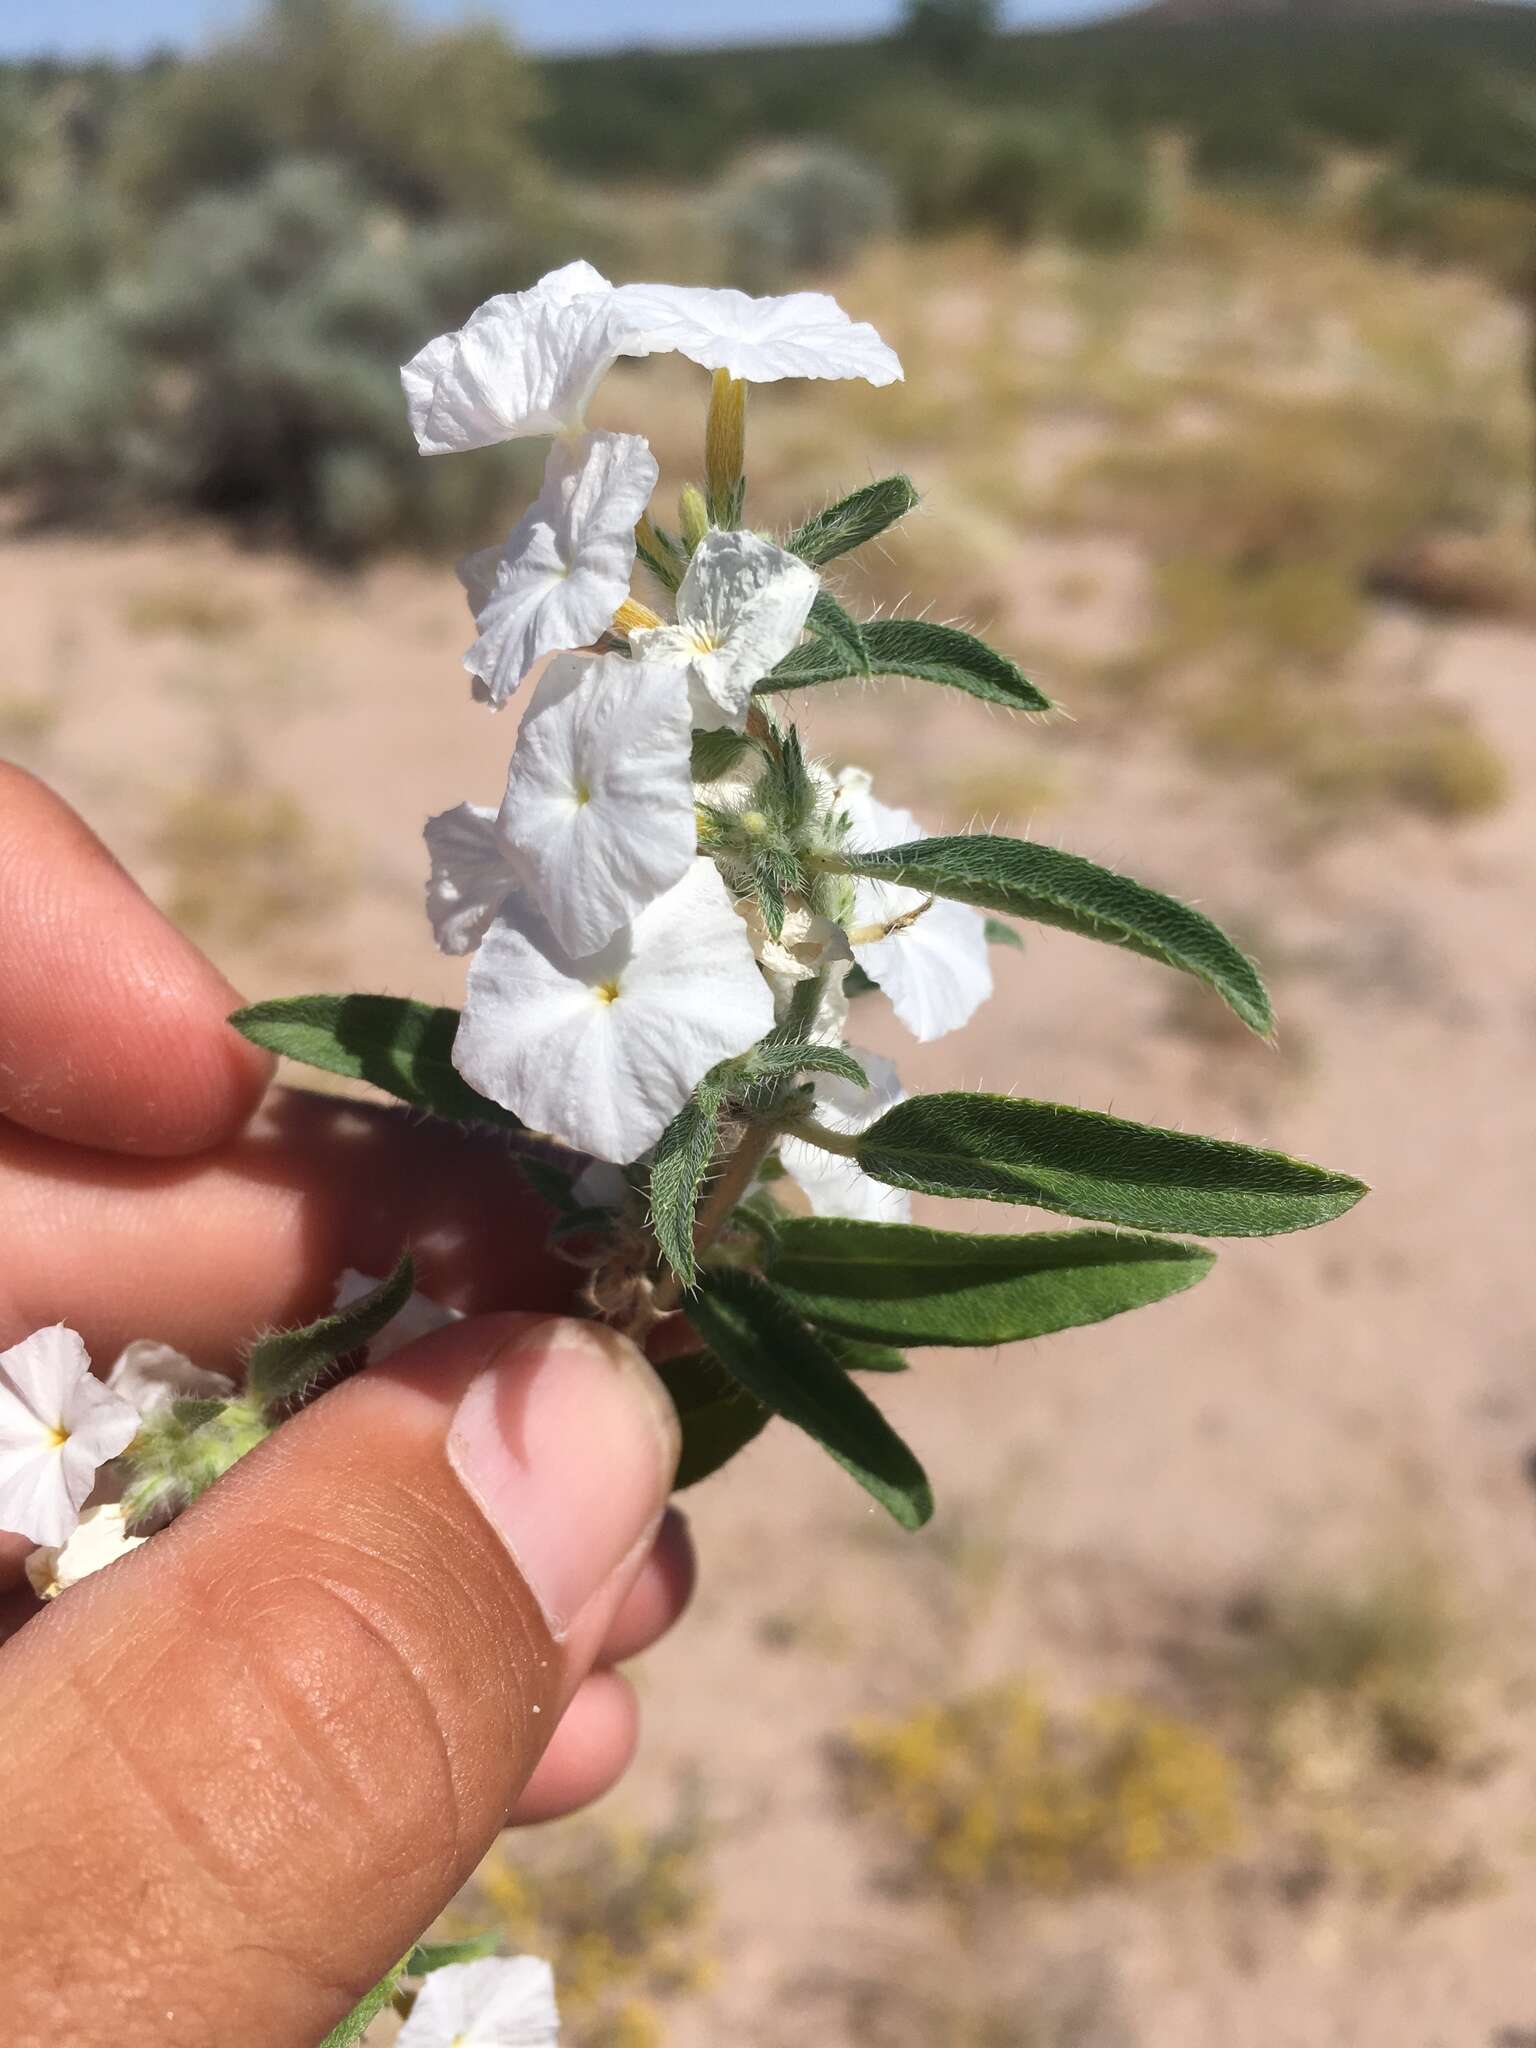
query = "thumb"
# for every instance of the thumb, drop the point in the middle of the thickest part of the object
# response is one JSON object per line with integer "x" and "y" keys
{"x": 248, "y": 1764}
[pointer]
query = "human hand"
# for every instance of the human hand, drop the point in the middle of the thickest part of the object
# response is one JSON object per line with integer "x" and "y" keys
{"x": 243, "y": 1768}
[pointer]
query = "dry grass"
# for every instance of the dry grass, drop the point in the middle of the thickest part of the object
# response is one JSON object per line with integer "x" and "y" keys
{"x": 246, "y": 864}
{"x": 189, "y": 611}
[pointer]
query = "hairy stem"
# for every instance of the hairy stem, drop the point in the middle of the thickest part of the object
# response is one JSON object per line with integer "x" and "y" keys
{"x": 843, "y": 1143}
{"x": 716, "y": 1208}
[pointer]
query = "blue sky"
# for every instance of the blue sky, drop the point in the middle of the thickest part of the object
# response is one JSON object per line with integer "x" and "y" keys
{"x": 127, "y": 28}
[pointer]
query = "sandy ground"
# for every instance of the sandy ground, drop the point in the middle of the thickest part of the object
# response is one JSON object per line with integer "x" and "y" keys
{"x": 1319, "y": 1403}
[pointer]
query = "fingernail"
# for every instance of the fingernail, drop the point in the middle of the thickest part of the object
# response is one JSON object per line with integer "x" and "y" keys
{"x": 567, "y": 1444}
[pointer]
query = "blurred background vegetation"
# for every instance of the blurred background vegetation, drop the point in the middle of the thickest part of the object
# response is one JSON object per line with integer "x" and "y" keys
{"x": 210, "y": 263}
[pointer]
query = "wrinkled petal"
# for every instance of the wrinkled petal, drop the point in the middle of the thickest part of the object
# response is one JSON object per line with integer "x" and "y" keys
{"x": 742, "y": 606}
{"x": 602, "y": 1051}
{"x": 497, "y": 2002}
{"x": 101, "y": 1539}
{"x": 58, "y": 1425}
{"x": 837, "y": 1186}
{"x": 418, "y": 1318}
{"x": 153, "y": 1375}
{"x": 523, "y": 363}
{"x": 599, "y": 805}
{"x": 804, "y": 334}
{"x": 935, "y": 964}
{"x": 472, "y": 869}
{"x": 566, "y": 567}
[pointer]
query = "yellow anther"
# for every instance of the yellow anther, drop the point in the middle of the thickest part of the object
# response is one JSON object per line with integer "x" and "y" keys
{"x": 632, "y": 617}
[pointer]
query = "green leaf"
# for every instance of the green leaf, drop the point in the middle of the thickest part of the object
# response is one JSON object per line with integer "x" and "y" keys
{"x": 854, "y": 1356}
{"x": 1000, "y": 934}
{"x": 860, "y": 517}
{"x": 684, "y": 1152}
{"x": 662, "y": 553}
{"x": 1021, "y": 879}
{"x": 716, "y": 753}
{"x": 998, "y": 1149}
{"x": 778, "y": 1059}
{"x": 780, "y": 1360}
{"x": 428, "y": 1956}
{"x": 718, "y": 1416}
{"x": 284, "y": 1365}
{"x": 365, "y": 2012}
{"x": 913, "y": 647}
{"x": 841, "y": 632}
{"x": 909, "y": 1285}
{"x": 403, "y": 1047}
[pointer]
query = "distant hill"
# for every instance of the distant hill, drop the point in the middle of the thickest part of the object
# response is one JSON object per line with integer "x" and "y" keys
{"x": 1308, "y": 13}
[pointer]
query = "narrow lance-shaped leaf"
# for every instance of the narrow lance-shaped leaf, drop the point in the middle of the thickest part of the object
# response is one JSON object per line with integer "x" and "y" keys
{"x": 718, "y": 1416}
{"x": 683, "y": 1155}
{"x": 861, "y": 516}
{"x": 839, "y": 630}
{"x": 284, "y": 1365}
{"x": 918, "y": 648}
{"x": 428, "y": 1956}
{"x": 1022, "y": 879}
{"x": 779, "y": 1359}
{"x": 402, "y": 1047}
{"x": 910, "y": 1285}
{"x": 1083, "y": 1163}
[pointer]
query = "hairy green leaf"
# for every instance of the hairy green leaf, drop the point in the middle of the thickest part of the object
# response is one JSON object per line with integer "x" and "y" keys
{"x": 840, "y": 631}
{"x": 719, "y": 1417}
{"x": 854, "y": 1356}
{"x": 716, "y": 753}
{"x": 662, "y": 553}
{"x": 861, "y": 516}
{"x": 1084, "y": 1163}
{"x": 1022, "y": 879}
{"x": 403, "y": 1047}
{"x": 781, "y": 1361}
{"x": 778, "y": 1059}
{"x": 428, "y": 1956}
{"x": 913, "y": 647}
{"x": 1000, "y": 934}
{"x": 284, "y": 1365}
{"x": 910, "y": 1285}
{"x": 683, "y": 1155}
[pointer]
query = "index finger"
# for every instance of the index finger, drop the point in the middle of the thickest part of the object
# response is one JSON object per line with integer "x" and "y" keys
{"x": 112, "y": 1025}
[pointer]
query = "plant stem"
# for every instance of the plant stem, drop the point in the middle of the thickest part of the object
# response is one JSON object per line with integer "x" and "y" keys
{"x": 844, "y": 1144}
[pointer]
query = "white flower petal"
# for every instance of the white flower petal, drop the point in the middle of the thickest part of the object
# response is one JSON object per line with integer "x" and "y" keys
{"x": 472, "y": 870}
{"x": 936, "y": 968}
{"x": 566, "y": 567}
{"x": 523, "y": 363}
{"x": 418, "y": 1318}
{"x": 57, "y": 1426}
{"x": 152, "y": 1376}
{"x": 603, "y": 1051}
{"x": 497, "y": 2002}
{"x": 742, "y": 606}
{"x": 805, "y": 334}
{"x": 599, "y": 805}
{"x": 101, "y": 1539}
{"x": 837, "y": 1186}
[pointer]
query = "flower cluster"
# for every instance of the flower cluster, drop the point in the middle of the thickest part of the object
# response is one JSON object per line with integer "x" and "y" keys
{"x": 647, "y": 902}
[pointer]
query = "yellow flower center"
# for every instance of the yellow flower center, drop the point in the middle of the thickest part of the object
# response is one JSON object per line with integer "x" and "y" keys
{"x": 607, "y": 991}
{"x": 58, "y": 1437}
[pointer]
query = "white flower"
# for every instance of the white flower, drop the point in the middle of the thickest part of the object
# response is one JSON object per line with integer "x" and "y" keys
{"x": 599, "y": 806}
{"x": 603, "y": 1051}
{"x": 566, "y": 566}
{"x": 805, "y": 334}
{"x": 472, "y": 870}
{"x": 153, "y": 1375}
{"x": 837, "y": 1186}
{"x": 418, "y": 1318}
{"x": 57, "y": 1425}
{"x": 523, "y": 363}
{"x": 497, "y": 2002}
{"x": 929, "y": 955}
{"x": 101, "y": 1539}
{"x": 742, "y": 606}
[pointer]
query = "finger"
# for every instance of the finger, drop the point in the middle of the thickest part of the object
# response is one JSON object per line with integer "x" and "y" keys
{"x": 589, "y": 1752}
{"x": 112, "y": 1025}
{"x": 206, "y": 1253}
{"x": 269, "y": 1746}
{"x": 661, "y": 1591}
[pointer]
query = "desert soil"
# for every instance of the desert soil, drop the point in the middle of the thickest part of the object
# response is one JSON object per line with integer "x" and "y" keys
{"x": 1319, "y": 1404}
